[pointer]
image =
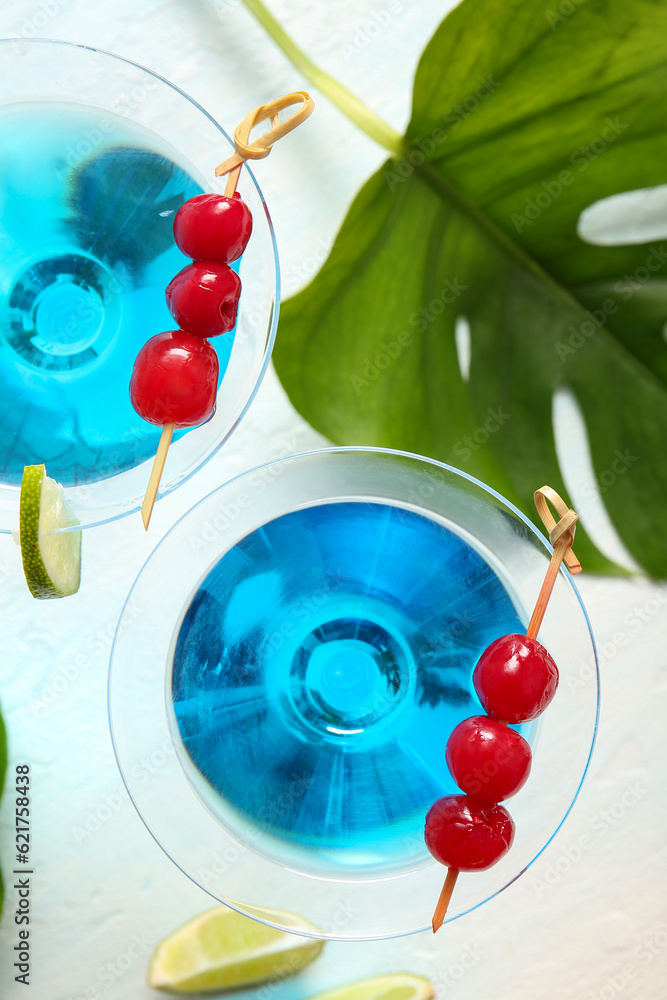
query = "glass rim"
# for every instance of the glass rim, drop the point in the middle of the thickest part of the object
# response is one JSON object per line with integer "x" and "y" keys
{"x": 94, "y": 522}
{"x": 397, "y": 453}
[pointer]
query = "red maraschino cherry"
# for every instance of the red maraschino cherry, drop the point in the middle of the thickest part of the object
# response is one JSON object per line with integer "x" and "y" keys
{"x": 487, "y": 760}
{"x": 203, "y": 298}
{"x": 466, "y": 835}
{"x": 175, "y": 380}
{"x": 515, "y": 679}
{"x": 213, "y": 227}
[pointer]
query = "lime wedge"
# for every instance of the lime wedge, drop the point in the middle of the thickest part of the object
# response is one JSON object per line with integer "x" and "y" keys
{"x": 223, "y": 950}
{"x": 51, "y": 562}
{"x": 395, "y": 986}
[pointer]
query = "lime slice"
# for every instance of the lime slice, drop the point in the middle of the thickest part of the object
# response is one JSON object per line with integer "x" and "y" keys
{"x": 395, "y": 986}
{"x": 223, "y": 950}
{"x": 51, "y": 562}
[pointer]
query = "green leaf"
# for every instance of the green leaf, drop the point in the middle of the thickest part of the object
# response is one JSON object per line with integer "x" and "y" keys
{"x": 522, "y": 118}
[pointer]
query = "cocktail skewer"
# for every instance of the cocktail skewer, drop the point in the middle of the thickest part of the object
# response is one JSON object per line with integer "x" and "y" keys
{"x": 445, "y": 896}
{"x": 259, "y": 148}
{"x": 245, "y": 150}
{"x": 156, "y": 474}
{"x": 561, "y": 536}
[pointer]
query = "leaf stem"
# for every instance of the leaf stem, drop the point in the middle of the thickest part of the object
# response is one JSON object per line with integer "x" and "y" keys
{"x": 345, "y": 100}
{"x": 437, "y": 180}
{"x": 386, "y": 136}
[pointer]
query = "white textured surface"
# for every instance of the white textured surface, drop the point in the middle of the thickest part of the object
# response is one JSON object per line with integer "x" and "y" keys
{"x": 577, "y": 929}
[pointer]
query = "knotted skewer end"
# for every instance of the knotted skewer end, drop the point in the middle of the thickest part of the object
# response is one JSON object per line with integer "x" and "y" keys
{"x": 558, "y": 529}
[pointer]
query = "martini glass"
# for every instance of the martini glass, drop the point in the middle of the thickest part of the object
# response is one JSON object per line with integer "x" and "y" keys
{"x": 96, "y": 156}
{"x": 280, "y": 705}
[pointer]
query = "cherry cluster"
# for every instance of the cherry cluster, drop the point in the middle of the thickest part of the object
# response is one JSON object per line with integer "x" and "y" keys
{"x": 515, "y": 679}
{"x": 175, "y": 375}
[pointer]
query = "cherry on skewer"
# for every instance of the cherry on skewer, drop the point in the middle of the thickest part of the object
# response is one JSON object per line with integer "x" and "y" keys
{"x": 487, "y": 760}
{"x": 203, "y": 298}
{"x": 174, "y": 384}
{"x": 515, "y": 680}
{"x": 174, "y": 380}
{"x": 214, "y": 229}
{"x": 467, "y": 836}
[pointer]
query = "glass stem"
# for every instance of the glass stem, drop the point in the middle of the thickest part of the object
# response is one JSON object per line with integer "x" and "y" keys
{"x": 345, "y": 100}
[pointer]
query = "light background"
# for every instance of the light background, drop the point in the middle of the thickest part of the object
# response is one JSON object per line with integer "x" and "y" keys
{"x": 583, "y": 923}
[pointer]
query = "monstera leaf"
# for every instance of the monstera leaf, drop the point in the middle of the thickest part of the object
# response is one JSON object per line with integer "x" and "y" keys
{"x": 525, "y": 113}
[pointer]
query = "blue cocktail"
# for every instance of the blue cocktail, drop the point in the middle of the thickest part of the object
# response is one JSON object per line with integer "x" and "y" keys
{"x": 87, "y": 251}
{"x": 304, "y": 667}
{"x": 96, "y": 157}
{"x": 316, "y": 669}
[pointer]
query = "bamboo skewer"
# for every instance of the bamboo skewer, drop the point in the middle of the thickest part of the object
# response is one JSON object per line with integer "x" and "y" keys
{"x": 261, "y": 147}
{"x": 245, "y": 150}
{"x": 156, "y": 474}
{"x": 560, "y": 548}
{"x": 561, "y": 536}
{"x": 445, "y": 896}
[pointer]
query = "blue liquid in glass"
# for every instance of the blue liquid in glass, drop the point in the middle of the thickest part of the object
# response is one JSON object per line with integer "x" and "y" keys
{"x": 86, "y": 251}
{"x": 320, "y": 668}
